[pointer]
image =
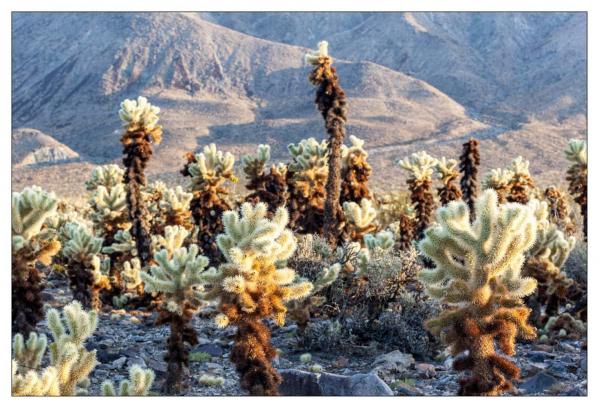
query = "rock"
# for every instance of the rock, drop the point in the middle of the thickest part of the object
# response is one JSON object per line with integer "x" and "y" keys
{"x": 302, "y": 383}
{"x": 159, "y": 366}
{"x": 538, "y": 383}
{"x": 404, "y": 389}
{"x": 213, "y": 366}
{"x": 203, "y": 340}
{"x": 540, "y": 356}
{"x": 425, "y": 370}
{"x": 136, "y": 360}
{"x": 119, "y": 363}
{"x": 395, "y": 360}
{"x": 584, "y": 364}
{"x": 213, "y": 349}
{"x": 106, "y": 357}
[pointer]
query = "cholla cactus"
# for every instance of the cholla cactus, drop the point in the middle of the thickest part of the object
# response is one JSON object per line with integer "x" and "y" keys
{"x": 383, "y": 241}
{"x": 500, "y": 181}
{"x": 177, "y": 274}
{"x": 141, "y": 131}
{"x": 139, "y": 383}
{"x": 330, "y": 101}
{"x": 478, "y": 273}
{"x": 170, "y": 207}
{"x": 469, "y": 162}
{"x": 31, "y": 243}
{"x": 559, "y": 209}
{"x": 70, "y": 362}
{"x": 577, "y": 176}
{"x": 209, "y": 171}
{"x": 446, "y": 172}
{"x": 396, "y": 213}
{"x": 87, "y": 274}
{"x": 361, "y": 219}
{"x": 521, "y": 182}
{"x": 355, "y": 171}
{"x": 269, "y": 188}
{"x": 421, "y": 166}
{"x": 545, "y": 259}
{"x": 252, "y": 285}
{"x": 306, "y": 178}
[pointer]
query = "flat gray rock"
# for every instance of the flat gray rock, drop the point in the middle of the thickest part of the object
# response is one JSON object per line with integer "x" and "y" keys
{"x": 298, "y": 382}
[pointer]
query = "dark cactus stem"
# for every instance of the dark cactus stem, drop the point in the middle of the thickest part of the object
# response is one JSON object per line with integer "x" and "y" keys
{"x": 270, "y": 189}
{"x": 252, "y": 355}
{"x": 424, "y": 204}
{"x": 448, "y": 193}
{"x": 354, "y": 186}
{"x": 27, "y": 303}
{"x": 177, "y": 356}
{"x": 577, "y": 177}
{"x": 330, "y": 100}
{"x": 469, "y": 162}
{"x": 81, "y": 281}
{"x": 137, "y": 152}
{"x": 406, "y": 230}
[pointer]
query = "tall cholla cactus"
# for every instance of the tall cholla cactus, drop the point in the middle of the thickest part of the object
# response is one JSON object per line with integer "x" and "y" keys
{"x": 544, "y": 262}
{"x": 140, "y": 120}
{"x": 330, "y": 100}
{"x": 253, "y": 285}
{"x": 70, "y": 363}
{"x": 269, "y": 188}
{"x": 306, "y": 178}
{"x": 31, "y": 243}
{"x": 355, "y": 171}
{"x": 421, "y": 166}
{"x": 478, "y": 273}
{"x": 577, "y": 176}
{"x": 500, "y": 181}
{"x": 469, "y": 162}
{"x": 177, "y": 274}
{"x": 88, "y": 275}
{"x": 360, "y": 219}
{"x": 447, "y": 173}
{"x": 209, "y": 171}
{"x": 521, "y": 182}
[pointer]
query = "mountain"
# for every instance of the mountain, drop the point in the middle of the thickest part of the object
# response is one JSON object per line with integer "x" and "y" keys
{"x": 223, "y": 84}
{"x": 31, "y": 147}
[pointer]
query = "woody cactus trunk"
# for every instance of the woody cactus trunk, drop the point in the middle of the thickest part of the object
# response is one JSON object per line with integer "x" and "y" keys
{"x": 252, "y": 285}
{"x": 140, "y": 120}
{"x": 31, "y": 243}
{"x": 177, "y": 274}
{"x": 477, "y": 273}
{"x": 330, "y": 100}
{"x": 469, "y": 162}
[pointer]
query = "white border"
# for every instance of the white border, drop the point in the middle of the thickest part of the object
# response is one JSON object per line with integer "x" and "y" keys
{"x": 280, "y": 5}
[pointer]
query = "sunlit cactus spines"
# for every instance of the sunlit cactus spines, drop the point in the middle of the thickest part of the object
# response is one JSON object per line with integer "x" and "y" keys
{"x": 355, "y": 171}
{"x": 576, "y": 153}
{"x": 269, "y": 188}
{"x": 331, "y": 102}
{"x": 178, "y": 276}
{"x": 421, "y": 166}
{"x": 141, "y": 132}
{"x": 521, "y": 182}
{"x": 253, "y": 284}
{"x": 360, "y": 219}
{"x": 209, "y": 171}
{"x": 469, "y": 162}
{"x": 138, "y": 384}
{"x": 446, "y": 171}
{"x": 477, "y": 272}
{"x": 31, "y": 243}
{"x": 500, "y": 181}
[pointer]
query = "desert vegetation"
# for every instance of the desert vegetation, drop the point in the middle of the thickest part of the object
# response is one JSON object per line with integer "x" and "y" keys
{"x": 465, "y": 273}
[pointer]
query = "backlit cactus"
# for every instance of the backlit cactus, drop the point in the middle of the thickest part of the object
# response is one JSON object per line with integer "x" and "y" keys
{"x": 140, "y": 120}
{"x": 469, "y": 162}
{"x": 500, "y": 181}
{"x": 577, "y": 176}
{"x": 421, "y": 165}
{"x": 306, "y": 179}
{"x": 209, "y": 172}
{"x": 178, "y": 275}
{"x": 360, "y": 219}
{"x": 521, "y": 182}
{"x": 330, "y": 101}
{"x": 31, "y": 243}
{"x": 269, "y": 188}
{"x": 139, "y": 383}
{"x": 355, "y": 171}
{"x": 477, "y": 273}
{"x": 447, "y": 173}
{"x": 253, "y": 284}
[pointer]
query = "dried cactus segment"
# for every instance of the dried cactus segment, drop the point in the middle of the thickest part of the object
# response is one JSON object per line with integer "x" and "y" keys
{"x": 446, "y": 172}
{"x": 355, "y": 171}
{"x": 469, "y": 162}
{"x": 521, "y": 182}
{"x": 477, "y": 272}
{"x": 577, "y": 176}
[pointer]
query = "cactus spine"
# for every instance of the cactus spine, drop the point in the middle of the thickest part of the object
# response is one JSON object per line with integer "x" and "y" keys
{"x": 140, "y": 120}
{"x": 478, "y": 273}
{"x": 31, "y": 243}
{"x": 253, "y": 285}
{"x": 469, "y": 162}
{"x": 330, "y": 100}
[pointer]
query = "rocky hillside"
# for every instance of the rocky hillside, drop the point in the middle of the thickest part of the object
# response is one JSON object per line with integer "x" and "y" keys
{"x": 217, "y": 81}
{"x": 30, "y": 147}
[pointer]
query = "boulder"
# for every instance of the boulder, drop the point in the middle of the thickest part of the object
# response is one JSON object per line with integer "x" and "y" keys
{"x": 303, "y": 383}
